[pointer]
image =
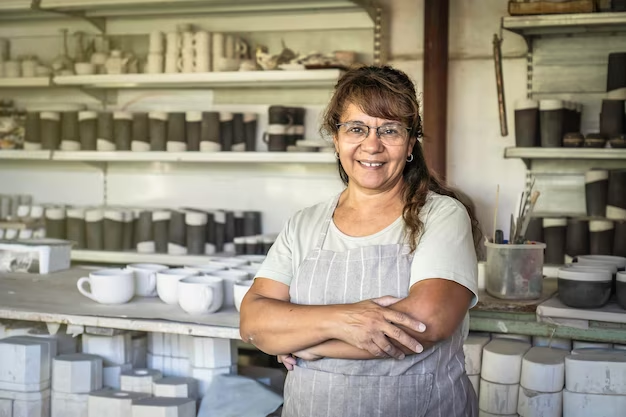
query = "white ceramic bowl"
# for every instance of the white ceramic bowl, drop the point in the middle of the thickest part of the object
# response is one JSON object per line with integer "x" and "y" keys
{"x": 240, "y": 290}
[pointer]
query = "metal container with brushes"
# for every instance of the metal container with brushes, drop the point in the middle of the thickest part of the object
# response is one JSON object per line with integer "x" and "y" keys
{"x": 514, "y": 272}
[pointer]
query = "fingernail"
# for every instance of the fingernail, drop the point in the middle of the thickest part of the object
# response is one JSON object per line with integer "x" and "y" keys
{"x": 421, "y": 327}
{"x": 419, "y": 349}
{"x": 401, "y": 357}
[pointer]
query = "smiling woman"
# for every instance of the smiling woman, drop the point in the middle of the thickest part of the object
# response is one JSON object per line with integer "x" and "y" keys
{"x": 364, "y": 298}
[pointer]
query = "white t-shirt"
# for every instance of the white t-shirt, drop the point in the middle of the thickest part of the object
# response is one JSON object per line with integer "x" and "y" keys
{"x": 445, "y": 248}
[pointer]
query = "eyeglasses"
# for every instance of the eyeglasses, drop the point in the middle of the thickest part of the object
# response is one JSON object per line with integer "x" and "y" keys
{"x": 391, "y": 134}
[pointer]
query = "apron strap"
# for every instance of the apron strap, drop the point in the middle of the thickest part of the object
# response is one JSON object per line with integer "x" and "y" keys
{"x": 326, "y": 224}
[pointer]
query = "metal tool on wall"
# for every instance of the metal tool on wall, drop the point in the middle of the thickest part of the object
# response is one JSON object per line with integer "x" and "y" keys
{"x": 497, "y": 58}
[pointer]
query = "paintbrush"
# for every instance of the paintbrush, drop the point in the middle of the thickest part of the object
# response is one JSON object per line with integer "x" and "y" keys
{"x": 531, "y": 207}
{"x": 495, "y": 213}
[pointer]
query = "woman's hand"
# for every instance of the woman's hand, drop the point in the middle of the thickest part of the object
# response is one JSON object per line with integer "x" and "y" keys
{"x": 369, "y": 324}
{"x": 288, "y": 360}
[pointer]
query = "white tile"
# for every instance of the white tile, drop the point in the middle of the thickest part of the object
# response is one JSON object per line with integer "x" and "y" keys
{"x": 110, "y": 403}
{"x": 25, "y": 364}
{"x": 111, "y": 375}
{"x": 175, "y": 387}
{"x": 139, "y": 380}
{"x": 164, "y": 407}
{"x": 115, "y": 350}
{"x": 76, "y": 373}
{"x": 68, "y": 405}
{"x": 209, "y": 352}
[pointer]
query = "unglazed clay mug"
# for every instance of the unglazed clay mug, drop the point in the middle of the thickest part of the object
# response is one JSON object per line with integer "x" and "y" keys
{"x": 230, "y": 276}
{"x": 167, "y": 283}
{"x": 240, "y": 290}
{"x": 108, "y": 286}
{"x": 146, "y": 278}
{"x": 203, "y": 294}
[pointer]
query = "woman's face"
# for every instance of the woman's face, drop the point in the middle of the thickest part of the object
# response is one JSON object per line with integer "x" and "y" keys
{"x": 371, "y": 164}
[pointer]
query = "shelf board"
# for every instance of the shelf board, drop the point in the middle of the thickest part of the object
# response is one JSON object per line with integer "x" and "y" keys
{"x": 565, "y": 153}
{"x": 218, "y": 157}
{"x": 189, "y": 157}
{"x": 109, "y": 257}
{"x": 25, "y": 155}
{"x": 25, "y": 82}
{"x": 565, "y": 23}
{"x": 239, "y": 79}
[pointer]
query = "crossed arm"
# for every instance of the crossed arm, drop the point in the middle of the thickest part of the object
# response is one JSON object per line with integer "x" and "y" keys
{"x": 384, "y": 327}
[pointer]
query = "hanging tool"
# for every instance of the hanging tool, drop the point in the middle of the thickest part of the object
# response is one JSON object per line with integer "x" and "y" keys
{"x": 497, "y": 58}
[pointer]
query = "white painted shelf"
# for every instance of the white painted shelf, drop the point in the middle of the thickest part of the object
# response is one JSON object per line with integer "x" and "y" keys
{"x": 237, "y": 79}
{"x": 565, "y": 23}
{"x": 198, "y": 157}
{"x": 220, "y": 157}
{"x": 25, "y": 82}
{"x": 54, "y": 298}
{"x": 565, "y": 153}
{"x": 110, "y": 257}
{"x": 27, "y": 155}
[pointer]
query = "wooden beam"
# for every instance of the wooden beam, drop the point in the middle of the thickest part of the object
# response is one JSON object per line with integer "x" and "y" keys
{"x": 436, "y": 15}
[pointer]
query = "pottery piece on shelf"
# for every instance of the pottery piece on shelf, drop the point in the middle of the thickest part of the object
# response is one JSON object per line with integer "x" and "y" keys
{"x": 618, "y": 141}
{"x": 63, "y": 62}
{"x": 573, "y": 140}
{"x": 595, "y": 140}
{"x": 116, "y": 63}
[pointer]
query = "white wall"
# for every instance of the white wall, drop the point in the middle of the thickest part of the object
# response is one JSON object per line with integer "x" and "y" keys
{"x": 475, "y": 162}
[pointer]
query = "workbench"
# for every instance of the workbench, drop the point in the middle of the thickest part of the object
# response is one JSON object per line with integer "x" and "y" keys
{"x": 54, "y": 298}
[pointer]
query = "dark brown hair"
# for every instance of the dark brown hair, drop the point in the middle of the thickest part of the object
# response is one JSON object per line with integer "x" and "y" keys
{"x": 388, "y": 93}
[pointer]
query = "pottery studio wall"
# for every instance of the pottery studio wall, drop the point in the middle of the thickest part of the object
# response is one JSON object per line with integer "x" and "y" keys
{"x": 475, "y": 147}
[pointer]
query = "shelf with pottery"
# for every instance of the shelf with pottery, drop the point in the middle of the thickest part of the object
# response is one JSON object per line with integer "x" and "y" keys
{"x": 565, "y": 23}
{"x": 111, "y": 257}
{"x": 155, "y": 156}
{"x": 23, "y": 82}
{"x": 229, "y": 79}
{"x": 55, "y": 298}
{"x": 565, "y": 153}
{"x": 529, "y": 317}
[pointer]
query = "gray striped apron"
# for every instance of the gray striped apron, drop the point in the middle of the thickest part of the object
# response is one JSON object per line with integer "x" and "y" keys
{"x": 432, "y": 383}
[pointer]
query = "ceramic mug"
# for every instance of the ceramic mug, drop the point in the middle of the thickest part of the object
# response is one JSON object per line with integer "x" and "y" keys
{"x": 109, "y": 286}
{"x": 85, "y": 68}
{"x": 240, "y": 290}
{"x": 206, "y": 268}
{"x": 202, "y": 294}
{"x": 230, "y": 276}
{"x": 145, "y": 278}
{"x": 167, "y": 283}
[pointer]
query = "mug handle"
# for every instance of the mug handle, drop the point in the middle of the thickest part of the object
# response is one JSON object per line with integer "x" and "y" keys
{"x": 82, "y": 290}
{"x": 152, "y": 284}
{"x": 208, "y": 293}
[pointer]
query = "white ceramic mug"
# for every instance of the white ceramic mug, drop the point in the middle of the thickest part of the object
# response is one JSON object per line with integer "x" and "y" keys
{"x": 173, "y": 43}
{"x": 145, "y": 278}
{"x": 207, "y": 268}
{"x": 167, "y": 283}
{"x": 84, "y": 68}
{"x": 231, "y": 262}
{"x": 241, "y": 288}
{"x": 109, "y": 286}
{"x": 29, "y": 68}
{"x": 231, "y": 276}
{"x": 202, "y": 294}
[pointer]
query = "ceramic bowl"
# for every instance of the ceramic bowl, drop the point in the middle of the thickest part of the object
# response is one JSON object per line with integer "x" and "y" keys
{"x": 620, "y": 289}
{"x": 595, "y": 140}
{"x": 573, "y": 140}
{"x": 584, "y": 288}
{"x": 618, "y": 141}
{"x": 240, "y": 290}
